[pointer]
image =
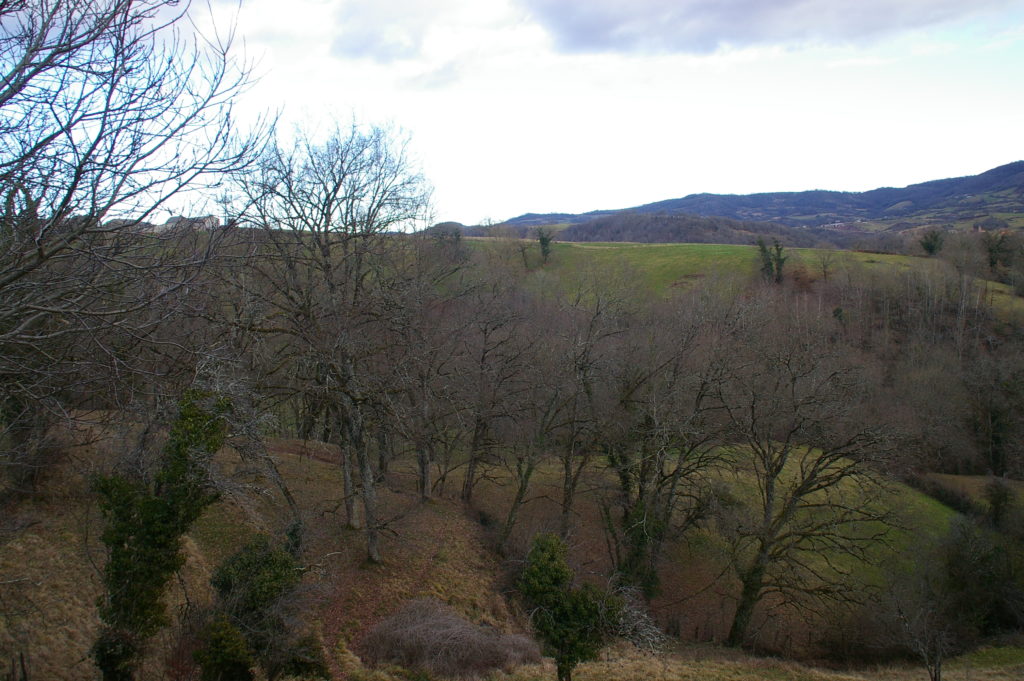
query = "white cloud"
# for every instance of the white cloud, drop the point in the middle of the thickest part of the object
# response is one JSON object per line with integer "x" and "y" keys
{"x": 432, "y": 79}
{"x": 385, "y": 30}
{"x": 705, "y": 26}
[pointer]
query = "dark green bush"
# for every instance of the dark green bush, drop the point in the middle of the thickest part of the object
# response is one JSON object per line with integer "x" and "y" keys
{"x": 144, "y": 521}
{"x": 250, "y": 582}
{"x": 572, "y": 623}
{"x": 254, "y": 588}
{"x": 225, "y": 655}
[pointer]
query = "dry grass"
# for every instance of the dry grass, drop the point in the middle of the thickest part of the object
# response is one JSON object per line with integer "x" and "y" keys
{"x": 50, "y": 570}
{"x": 49, "y": 576}
{"x": 709, "y": 663}
{"x": 430, "y": 550}
{"x": 48, "y": 590}
{"x": 622, "y": 663}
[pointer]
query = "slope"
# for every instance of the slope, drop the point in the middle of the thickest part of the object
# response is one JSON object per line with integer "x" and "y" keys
{"x": 49, "y": 571}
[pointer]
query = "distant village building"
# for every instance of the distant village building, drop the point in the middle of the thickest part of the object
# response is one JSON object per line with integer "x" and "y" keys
{"x": 200, "y": 224}
{"x": 177, "y": 222}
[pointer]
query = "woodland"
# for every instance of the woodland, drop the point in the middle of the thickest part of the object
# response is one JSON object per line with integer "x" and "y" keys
{"x": 314, "y": 437}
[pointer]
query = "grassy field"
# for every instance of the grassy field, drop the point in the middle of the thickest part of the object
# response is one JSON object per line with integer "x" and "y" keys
{"x": 660, "y": 269}
{"x": 663, "y": 267}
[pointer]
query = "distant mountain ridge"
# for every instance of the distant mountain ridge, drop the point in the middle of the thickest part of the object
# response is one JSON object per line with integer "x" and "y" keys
{"x": 957, "y": 197}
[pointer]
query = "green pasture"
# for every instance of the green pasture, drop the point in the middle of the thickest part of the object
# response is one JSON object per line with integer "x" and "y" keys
{"x": 660, "y": 269}
{"x": 660, "y": 266}
{"x": 915, "y": 520}
{"x": 664, "y": 267}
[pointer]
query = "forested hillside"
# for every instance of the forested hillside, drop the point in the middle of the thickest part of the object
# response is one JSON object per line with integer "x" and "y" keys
{"x": 819, "y": 207}
{"x": 992, "y": 200}
{"x": 312, "y": 439}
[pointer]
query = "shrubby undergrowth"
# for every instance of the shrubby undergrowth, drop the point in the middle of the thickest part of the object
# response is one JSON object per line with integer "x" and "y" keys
{"x": 430, "y": 636}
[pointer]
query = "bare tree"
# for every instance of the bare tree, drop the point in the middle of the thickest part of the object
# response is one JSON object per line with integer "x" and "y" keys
{"x": 493, "y": 357}
{"x": 919, "y": 611}
{"x": 995, "y": 387}
{"x": 826, "y": 258}
{"x": 591, "y": 316}
{"x": 790, "y": 403}
{"x": 656, "y": 435}
{"x": 536, "y": 409}
{"x": 108, "y": 109}
{"x": 329, "y": 282}
{"x": 945, "y": 596}
{"x": 426, "y": 411}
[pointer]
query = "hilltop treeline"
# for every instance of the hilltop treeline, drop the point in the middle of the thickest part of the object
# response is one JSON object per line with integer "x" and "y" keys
{"x": 626, "y": 226}
{"x": 647, "y": 228}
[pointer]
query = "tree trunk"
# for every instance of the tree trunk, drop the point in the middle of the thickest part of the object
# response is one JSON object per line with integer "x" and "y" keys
{"x": 570, "y": 483}
{"x": 568, "y": 498}
{"x": 348, "y": 486}
{"x": 423, "y": 462}
{"x": 368, "y": 481}
{"x": 474, "y": 458}
{"x": 366, "y": 473}
{"x": 753, "y": 581}
{"x": 525, "y": 472}
{"x": 383, "y": 452}
{"x": 309, "y": 414}
{"x": 469, "y": 481}
{"x": 423, "y": 453}
{"x": 349, "y": 489}
{"x": 289, "y": 498}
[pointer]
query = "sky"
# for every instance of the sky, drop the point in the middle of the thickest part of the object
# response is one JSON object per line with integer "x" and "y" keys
{"x": 515, "y": 106}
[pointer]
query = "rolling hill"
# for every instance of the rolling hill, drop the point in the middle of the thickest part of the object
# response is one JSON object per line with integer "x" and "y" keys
{"x": 996, "y": 195}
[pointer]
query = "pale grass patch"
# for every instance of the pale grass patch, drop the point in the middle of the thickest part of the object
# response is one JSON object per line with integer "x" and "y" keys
{"x": 708, "y": 663}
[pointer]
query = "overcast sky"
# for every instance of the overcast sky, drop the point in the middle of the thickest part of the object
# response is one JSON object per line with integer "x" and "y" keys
{"x": 575, "y": 105}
